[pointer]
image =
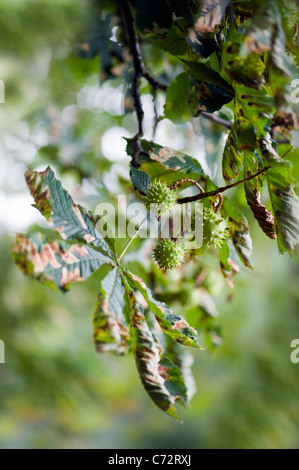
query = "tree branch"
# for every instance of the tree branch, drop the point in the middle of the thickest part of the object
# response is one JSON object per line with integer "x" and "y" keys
{"x": 156, "y": 85}
{"x": 141, "y": 71}
{"x": 185, "y": 180}
{"x": 138, "y": 69}
{"x": 197, "y": 197}
{"x": 217, "y": 120}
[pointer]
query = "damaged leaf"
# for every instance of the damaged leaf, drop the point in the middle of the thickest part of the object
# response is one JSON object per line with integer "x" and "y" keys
{"x": 111, "y": 332}
{"x": 56, "y": 263}
{"x": 173, "y": 325}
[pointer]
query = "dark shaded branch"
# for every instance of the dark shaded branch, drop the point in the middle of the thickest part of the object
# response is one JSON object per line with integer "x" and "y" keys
{"x": 138, "y": 68}
{"x": 229, "y": 125}
{"x": 185, "y": 180}
{"x": 197, "y": 197}
{"x": 139, "y": 72}
{"x": 156, "y": 85}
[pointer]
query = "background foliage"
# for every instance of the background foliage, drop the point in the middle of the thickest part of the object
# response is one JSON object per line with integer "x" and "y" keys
{"x": 55, "y": 391}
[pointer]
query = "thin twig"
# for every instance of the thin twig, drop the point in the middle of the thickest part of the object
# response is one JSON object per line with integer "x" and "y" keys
{"x": 186, "y": 180}
{"x": 217, "y": 120}
{"x": 131, "y": 239}
{"x": 229, "y": 125}
{"x": 197, "y": 197}
{"x": 156, "y": 85}
{"x": 285, "y": 153}
{"x": 218, "y": 203}
{"x": 138, "y": 72}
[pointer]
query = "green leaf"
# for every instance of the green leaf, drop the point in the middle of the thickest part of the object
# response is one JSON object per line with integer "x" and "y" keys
{"x": 140, "y": 180}
{"x": 172, "y": 40}
{"x": 247, "y": 71}
{"x": 231, "y": 162}
{"x": 171, "y": 159}
{"x": 203, "y": 73}
{"x": 228, "y": 258}
{"x": 173, "y": 379}
{"x": 257, "y": 105}
{"x": 147, "y": 357}
{"x": 176, "y": 106}
{"x": 111, "y": 332}
{"x": 284, "y": 201}
{"x": 183, "y": 360}
{"x": 239, "y": 233}
{"x": 57, "y": 206}
{"x": 207, "y": 97}
{"x": 205, "y": 316}
{"x": 173, "y": 325}
{"x": 161, "y": 379}
{"x": 56, "y": 263}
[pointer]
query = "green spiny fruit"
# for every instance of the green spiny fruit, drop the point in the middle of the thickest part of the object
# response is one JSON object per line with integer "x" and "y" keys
{"x": 169, "y": 254}
{"x": 160, "y": 199}
{"x": 215, "y": 228}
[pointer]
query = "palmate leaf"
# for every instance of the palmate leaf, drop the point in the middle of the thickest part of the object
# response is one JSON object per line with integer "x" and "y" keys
{"x": 111, "y": 331}
{"x": 56, "y": 263}
{"x": 284, "y": 201}
{"x": 241, "y": 137}
{"x": 176, "y": 105}
{"x": 161, "y": 378}
{"x": 173, "y": 325}
{"x": 57, "y": 206}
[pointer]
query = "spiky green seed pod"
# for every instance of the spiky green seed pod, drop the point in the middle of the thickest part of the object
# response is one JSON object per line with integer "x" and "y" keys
{"x": 215, "y": 228}
{"x": 169, "y": 254}
{"x": 160, "y": 199}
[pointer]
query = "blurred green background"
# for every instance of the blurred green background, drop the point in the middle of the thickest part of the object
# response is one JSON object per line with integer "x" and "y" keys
{"x": 55, "y": 391}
